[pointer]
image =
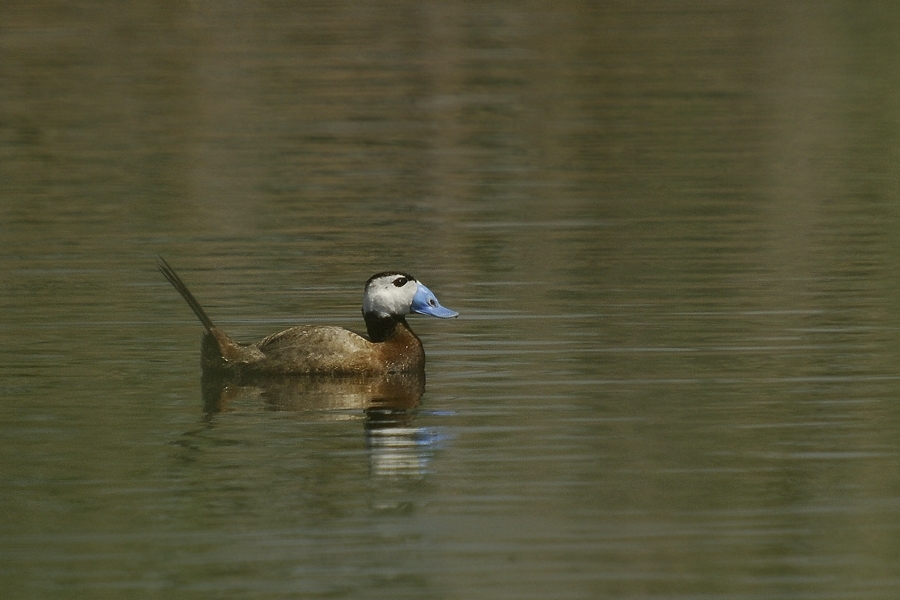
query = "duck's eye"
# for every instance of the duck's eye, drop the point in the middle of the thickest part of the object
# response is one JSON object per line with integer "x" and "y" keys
{"x": 401, "y": 281}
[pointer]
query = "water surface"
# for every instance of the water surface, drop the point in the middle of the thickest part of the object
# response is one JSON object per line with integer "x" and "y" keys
{"x": 670, "y": 233}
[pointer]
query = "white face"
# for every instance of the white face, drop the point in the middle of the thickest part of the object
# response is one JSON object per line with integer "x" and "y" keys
{"x": 389, "y": 294}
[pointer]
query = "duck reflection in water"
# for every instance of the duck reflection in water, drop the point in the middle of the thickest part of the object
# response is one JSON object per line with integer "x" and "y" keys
{"x": 393, "y": 392}
{"x": 396, "y": 447}
{"x": 331, "y": 368}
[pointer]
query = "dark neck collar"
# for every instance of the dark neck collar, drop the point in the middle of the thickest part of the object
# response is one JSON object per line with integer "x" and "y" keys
{"x": 382, "y": 328}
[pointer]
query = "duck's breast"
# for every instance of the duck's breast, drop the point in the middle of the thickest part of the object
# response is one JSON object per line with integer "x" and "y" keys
{"x": 401, "y": 352}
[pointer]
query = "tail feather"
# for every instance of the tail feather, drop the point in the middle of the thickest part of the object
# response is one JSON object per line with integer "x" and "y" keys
{"x": 173, "y": 278}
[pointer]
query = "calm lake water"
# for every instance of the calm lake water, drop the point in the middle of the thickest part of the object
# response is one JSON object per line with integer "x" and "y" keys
{"x": 671, "y": 233}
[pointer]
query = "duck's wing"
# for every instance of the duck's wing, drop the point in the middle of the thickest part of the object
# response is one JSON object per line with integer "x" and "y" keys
{"x": 316, "y": 349}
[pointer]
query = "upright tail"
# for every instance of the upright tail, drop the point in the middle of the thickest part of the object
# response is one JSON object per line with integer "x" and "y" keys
{"x": 179, "y": 285}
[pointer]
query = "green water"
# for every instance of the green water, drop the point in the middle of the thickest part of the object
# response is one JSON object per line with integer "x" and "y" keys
{"x": 671, "y": 233}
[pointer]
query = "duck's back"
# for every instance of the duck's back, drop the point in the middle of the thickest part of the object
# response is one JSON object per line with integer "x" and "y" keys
{"x": 317, "y": 349}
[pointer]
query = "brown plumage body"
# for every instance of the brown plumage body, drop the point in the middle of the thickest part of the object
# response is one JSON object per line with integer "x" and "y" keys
{"x": 310, "y": 349}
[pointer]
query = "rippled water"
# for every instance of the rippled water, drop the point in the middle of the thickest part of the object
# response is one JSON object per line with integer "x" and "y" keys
{"x": 670, "y": 233}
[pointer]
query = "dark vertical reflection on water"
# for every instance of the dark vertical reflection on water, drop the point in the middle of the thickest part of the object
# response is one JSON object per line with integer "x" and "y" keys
{"x": 670, "y": 231}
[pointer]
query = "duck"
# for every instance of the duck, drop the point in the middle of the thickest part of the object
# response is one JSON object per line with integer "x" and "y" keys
{"x": 389, "y": 345}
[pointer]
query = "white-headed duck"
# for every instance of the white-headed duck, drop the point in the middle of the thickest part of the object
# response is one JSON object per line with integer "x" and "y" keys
{"x": 390, "y": 346}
